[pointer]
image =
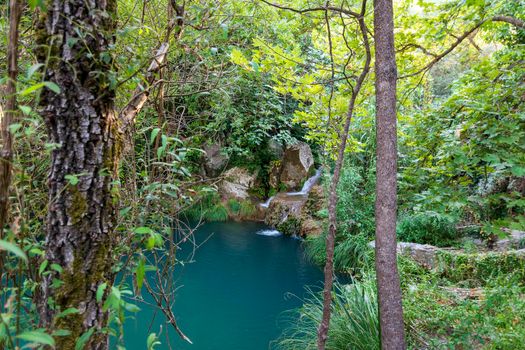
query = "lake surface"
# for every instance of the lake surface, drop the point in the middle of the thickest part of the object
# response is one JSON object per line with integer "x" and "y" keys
{"x": 232, "y": 297}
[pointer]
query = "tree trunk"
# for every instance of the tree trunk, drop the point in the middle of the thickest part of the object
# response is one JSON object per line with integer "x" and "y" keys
{"x": 6, "y": 118}
{"x": 388, "y": 285}
{"x": 75, "y": 37}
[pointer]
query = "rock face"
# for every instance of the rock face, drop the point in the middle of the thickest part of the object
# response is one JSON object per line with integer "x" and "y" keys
{"x": 237, "y": 181}
{"x": 297, "y": 164}
{"x": 292, "y": 214}
{"x": 423, "y": 254}
{"x": 515, "y": 239}
{"x": 214, "y": 160}
{"x": 283, "y": 208}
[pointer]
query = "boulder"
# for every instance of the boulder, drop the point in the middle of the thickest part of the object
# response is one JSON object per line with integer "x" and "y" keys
{"x": 297, "y": 164}
{"x": 310, "y": 227}
{"x": 284, "y": 207}
{"x": 214, "y": 160}
{"x": 513, "y": 241}
{"x": 237, "y": 181}
{"x": 423, "y": 254}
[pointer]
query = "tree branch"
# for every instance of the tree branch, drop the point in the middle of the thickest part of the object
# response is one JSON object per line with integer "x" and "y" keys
{"x": 507, "y": 19}
{"x": 315, "y": 9}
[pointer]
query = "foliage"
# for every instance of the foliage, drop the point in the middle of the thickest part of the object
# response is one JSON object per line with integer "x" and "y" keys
{"x": 290, "y": 227}
{"x": 354, "y": 322}
{"x": 428, "y": 228}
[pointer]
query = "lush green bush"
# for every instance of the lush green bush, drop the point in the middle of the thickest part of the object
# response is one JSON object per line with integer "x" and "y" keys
{"x": 290, "y": 227}
{"x": 427, "y": 228}
{"x": 216, "y": 213}
{"x": 234, "y": 206}
{"x": 351, "y": 252}
{"x": 354, "y": 322}
{"x": 481, "y": 269}
{"x": 247, "y": 208}
{"x": 438, "y": 318}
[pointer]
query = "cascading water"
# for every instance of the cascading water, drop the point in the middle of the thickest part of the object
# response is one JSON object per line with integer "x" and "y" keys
{"x": 308, "y": 184}
{"x": 303, "y": 192}
{"x": 267, "y": 203}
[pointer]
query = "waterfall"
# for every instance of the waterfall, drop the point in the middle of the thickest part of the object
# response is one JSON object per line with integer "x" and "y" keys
{"x": 308, "y": 184}
{"x": 304, "y": 191}
{"x": 267, "y": 203}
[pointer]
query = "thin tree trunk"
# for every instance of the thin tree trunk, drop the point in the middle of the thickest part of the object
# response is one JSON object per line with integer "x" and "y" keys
{"x": 6, "y": 118}
{"x": 75, "y": 38}
{"x": 388, "y": 285}
{"x": 322, "y": 333}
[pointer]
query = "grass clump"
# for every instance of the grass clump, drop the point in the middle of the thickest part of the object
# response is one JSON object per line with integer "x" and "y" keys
{"x": 428, "y": 228}
{"x": 354, "y": 323}
{"x": 216, "y": 213}
{"x": 247, "y": 208}
{"x": 234, "y": 206}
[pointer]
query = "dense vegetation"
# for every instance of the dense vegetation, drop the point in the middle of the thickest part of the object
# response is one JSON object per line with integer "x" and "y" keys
{"x": 253, "y": 77}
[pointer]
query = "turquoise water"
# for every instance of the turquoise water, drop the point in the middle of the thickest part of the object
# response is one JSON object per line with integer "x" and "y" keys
{"x": 232, "y": 297}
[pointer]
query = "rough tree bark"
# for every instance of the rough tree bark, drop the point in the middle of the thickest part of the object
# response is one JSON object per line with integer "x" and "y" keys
{"x": 388, "y": 285}
{"x": 75, "y": 38}
{"x": 8, "y": 115}
{"x": 6, "y": 118}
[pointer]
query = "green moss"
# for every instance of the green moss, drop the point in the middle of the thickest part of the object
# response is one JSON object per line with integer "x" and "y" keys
{"x": 78, "y": 207}
{"x": 76, "y": 289}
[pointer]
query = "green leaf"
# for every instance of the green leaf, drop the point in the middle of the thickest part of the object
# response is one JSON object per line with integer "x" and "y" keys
{"x": 154, "y": 134}
{"x": 61, "y": 333}
{"x": 518, "y": 171}
{"x": 152, "y": 341}
{"x": 140, "y": 273}
{"x": 37, "y": 336}
{"x": 42, "y": 267}
{"x": 52, "y": 86}
{"x": 72, "y": 179}
{"x": 13, "y": 248}
{"x": 57, "y": 268}
{"x": 32, "y": 89}
{"x": 100, "y": 291}
{"x": 35, "y": 67}
{"x": 83, "y": 339}
{"x": 143, "y": 230}
{"x": 68, "y": 311}
{"x": 25, "y": 109}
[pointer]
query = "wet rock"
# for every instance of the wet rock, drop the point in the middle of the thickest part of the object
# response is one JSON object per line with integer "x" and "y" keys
{"x": 236, "y": 184}
{"x": 284, "y": 207}
{"x": 214, "y": 160}
{"x": 297, "y": 164}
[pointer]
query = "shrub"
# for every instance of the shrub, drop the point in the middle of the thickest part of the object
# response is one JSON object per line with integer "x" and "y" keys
{"x": 351, "y": 253}
{"x": 290, "y": 227}
{"x": 216, "y": 213}
{"x": 353, "y": 325}
{"x": 428, "y": 228}
{"x": 480, "y": 269}
{"x": 234, "y": 206}
{"x": 247, "y": 208}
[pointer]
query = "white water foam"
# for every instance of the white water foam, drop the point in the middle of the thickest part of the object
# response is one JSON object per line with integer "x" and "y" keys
{"x": 269, "y": 233}
{"x": 267, "y": 203}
